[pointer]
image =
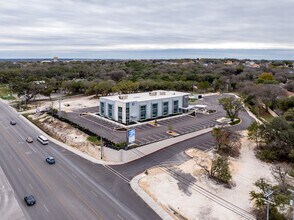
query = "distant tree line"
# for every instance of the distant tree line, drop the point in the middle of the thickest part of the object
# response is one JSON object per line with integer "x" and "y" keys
{"x": 103, "y": 77}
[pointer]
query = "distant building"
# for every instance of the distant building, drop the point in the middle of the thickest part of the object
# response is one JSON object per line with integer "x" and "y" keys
{"x": 229, "y": 62}
{"x": 55, "y": 59}
{"x": 143, "y": 106}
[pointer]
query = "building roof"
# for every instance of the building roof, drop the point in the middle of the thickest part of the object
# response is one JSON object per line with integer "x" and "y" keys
{"x": 145, "y": 96}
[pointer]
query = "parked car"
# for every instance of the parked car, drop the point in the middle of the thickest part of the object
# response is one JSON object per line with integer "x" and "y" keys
{"x": 29, "y": 139}
{"x": 13, "y": 122}
{"x": 30, "y": 200}
{"x": 50, "y": 160}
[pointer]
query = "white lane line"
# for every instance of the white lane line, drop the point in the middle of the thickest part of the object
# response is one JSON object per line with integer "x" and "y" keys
{"x": 94, "y": 193}
{"x": 32, "y": 148}
{"x": 45, "y": 207}
{"x": 119, "y": 216}
{"x": 117, "y": 173}
{"x": 19, "y": 169}
{"x": 20, "y": 142}
{"x": 31, "y": 186}
{"x": 73, "y": 175}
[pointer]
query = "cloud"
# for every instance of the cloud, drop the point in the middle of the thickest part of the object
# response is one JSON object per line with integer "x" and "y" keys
{"x": 99, "y": 25}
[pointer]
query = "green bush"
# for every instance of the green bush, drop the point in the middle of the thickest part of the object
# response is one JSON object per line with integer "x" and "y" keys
{"x": 92, "y": 139}
{"x": 266, "y": 155}
{"x": 121, "y": 145}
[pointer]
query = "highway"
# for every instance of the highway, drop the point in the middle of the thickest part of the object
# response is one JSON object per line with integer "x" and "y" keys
{"x": 73, "y": 188}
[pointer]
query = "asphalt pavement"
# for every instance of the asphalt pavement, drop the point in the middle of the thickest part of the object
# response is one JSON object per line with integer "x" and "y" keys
{"x": 73, "y": 188}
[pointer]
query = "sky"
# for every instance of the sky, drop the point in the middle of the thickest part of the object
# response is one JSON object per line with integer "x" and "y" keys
{"x": 83, "y": 28}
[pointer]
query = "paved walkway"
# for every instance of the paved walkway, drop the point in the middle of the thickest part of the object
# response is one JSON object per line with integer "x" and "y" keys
{"x": 9, "y": 207}
{"x": 154, "y": 205}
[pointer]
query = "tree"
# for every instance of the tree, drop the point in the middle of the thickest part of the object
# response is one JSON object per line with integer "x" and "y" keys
{"x": 278, "y": 199}
{"x": 268, "y": 94}
{"x": 289, "y": 115}
{"x": 264, "y": 77}
{"x": 279, "y": 172}
{"x": 220, "y": 169}
{"x": 254, "y": 132}
{"x": 278, "y": 140}
{"x": 227, "y": 141}
{"x": 47, "y": 91}
{"x": 232, "y": 106}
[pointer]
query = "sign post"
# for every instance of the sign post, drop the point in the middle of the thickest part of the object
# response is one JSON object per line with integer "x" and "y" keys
{"x": 131, "y": 135}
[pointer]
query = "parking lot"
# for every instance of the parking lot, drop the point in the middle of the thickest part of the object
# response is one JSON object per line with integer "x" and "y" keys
{"x": 147, "y": 133}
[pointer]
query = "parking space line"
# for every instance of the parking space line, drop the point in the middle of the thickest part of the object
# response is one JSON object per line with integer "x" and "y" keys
{"x": 45, "y": 207}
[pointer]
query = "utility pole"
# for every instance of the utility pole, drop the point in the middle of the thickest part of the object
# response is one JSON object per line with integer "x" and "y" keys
{"x": 59, "y": 102}
{"x": 267, "y": 196}
{"x": 25, "y": 99}
{"x": 292, "y": 192}
{"x": 101, "y": 148}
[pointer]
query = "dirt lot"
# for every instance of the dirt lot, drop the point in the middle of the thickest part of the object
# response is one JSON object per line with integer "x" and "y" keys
{"x": 189, "y": 202}
{"x": 63, "y": 131}
{"x": 67, "y": 103}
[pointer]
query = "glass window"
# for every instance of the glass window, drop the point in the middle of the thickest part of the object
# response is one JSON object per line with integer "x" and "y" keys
{"x": 176, "y": 106}
{"x": 102, "y": 108}
{"x": 127, "y": 113}
{"x": 154, "y": 110}
{"x": 142, "y": 112}
{"x": 109, "y": 110}
{"x": 119, "y": 112}
{"x": 165, "y": 108}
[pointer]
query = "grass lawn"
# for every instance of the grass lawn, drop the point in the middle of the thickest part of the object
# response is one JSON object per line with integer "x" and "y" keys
{"x": 266, "y": 116}
{"x": 5, "y": 92}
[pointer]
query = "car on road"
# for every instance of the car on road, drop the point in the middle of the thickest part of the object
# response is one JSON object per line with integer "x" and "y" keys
{"x": 29, "y": 139}
{"x": 43, "y": 140}
{"x": 30, "y": 200}
{"x": 13, "y": 122}
{"x": 50, "y": 160}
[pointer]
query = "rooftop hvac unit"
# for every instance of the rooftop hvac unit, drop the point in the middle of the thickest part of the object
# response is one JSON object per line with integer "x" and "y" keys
{"x": 152, "y": 93}
{"x": 162, "y": 93}
{"x": 123, "y": 97}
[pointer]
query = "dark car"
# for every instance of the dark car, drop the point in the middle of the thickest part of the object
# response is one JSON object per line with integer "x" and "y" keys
{"x": 13, "y": 122}
{"x": 30, "y": 200}
{"x": 50, "y": 160}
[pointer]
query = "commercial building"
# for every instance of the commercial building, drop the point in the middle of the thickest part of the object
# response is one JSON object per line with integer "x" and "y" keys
{"x": 143, "y": 106}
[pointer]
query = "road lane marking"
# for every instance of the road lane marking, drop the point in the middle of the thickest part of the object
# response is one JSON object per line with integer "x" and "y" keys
{"x": 35, "y": 170}
{"x": 28, "y": 152}
{"x": 94, "y": 193}
{"x": 84, "y": 201}
{"x": 73, "y": 175}
{"x": 117, "y": 173}
{"x": 19, "y": 169}
{"x": 46, "y": 208}
{"x": 31, "y": 186}
{"x": 10, "y": 156}
{"x": 119, "y": 217}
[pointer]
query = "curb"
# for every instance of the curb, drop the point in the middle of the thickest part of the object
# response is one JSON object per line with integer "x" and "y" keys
{"x": 154, "y": 205}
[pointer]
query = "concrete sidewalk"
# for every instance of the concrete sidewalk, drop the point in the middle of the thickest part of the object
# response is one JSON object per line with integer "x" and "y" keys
{"x": 154, "y": 205}
{"x": 9, "y": 207}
